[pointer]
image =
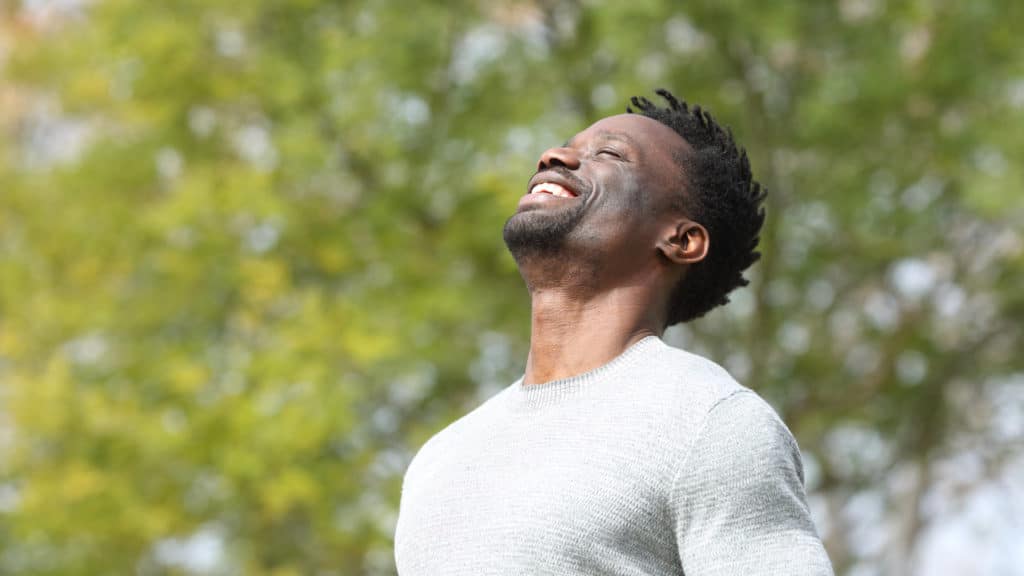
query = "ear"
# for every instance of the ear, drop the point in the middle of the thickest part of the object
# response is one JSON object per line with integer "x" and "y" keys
{"x": 687, "y": 243}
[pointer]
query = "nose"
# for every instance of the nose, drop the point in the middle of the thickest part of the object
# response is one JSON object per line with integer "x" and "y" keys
{"x": 565, "y": 157}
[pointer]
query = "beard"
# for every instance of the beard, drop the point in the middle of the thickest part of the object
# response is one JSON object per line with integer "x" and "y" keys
{"x": 540, "y": 232}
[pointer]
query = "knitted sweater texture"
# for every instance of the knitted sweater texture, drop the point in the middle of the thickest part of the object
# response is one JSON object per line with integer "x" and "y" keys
{"x": 657, "y": 463}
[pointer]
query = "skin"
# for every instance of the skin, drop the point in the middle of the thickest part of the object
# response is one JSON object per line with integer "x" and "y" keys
{"x": 621, "y": 247}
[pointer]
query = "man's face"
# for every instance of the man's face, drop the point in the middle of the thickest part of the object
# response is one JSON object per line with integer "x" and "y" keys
{"x": 601, "y": 193}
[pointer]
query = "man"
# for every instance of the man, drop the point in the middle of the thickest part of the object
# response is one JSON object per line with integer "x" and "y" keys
{"x": 616, "y": 454}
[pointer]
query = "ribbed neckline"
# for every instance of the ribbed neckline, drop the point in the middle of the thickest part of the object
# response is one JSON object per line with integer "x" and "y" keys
{"x": 537, "y": 395}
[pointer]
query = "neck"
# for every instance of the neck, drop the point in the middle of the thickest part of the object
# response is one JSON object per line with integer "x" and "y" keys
{"x": 571, "y": 334}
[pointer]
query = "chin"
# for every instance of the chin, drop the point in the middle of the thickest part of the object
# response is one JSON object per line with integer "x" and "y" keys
{"x": 540, "y": 230}
{"x": 528, "y": 233}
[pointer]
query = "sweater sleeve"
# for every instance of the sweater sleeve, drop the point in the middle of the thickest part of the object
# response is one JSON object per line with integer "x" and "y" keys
{"x": 739, "y": 499}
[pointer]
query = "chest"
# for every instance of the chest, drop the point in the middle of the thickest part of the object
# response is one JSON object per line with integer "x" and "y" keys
{"x": 583, "y": 504}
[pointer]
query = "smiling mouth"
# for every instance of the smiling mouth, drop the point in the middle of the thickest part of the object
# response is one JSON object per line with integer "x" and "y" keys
{"x": 552, "y": 189}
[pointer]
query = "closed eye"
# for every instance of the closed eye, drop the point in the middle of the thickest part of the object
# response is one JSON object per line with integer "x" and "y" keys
{"x": 609, "y": 152}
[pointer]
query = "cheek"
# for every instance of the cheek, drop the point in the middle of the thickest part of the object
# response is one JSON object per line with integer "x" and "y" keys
{"x": 658, "y": 195}
{"x": 624, "y": 212}
{"x": 626, "y": 192}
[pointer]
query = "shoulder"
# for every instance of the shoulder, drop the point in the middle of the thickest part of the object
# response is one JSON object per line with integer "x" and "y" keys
{"x": 748, "y": 420}
{"x": 685, "y": 379}
{"x": 742, "y": 437}
{"x": 720, "y": 418}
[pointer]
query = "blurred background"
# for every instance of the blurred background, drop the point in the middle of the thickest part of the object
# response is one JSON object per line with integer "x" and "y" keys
{"x": 251, "y": 259}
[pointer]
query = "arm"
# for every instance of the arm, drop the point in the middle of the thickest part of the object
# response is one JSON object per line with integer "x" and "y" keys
{"x": 738, "y": 497}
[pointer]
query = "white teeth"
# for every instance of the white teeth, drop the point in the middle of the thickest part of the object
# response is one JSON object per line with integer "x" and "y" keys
{"x": 551, "y": 188}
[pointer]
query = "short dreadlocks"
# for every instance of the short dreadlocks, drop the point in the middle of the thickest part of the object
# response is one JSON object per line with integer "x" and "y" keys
{"x": 721, "y": 195}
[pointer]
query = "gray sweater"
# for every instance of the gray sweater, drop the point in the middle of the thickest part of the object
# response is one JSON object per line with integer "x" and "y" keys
{"x": 657, "y": 463}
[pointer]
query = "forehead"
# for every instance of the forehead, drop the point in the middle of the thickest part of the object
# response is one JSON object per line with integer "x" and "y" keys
{"x": 648, "y": 135}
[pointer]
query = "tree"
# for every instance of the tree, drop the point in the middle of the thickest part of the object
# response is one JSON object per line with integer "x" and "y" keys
{"x": 250, "y": 255}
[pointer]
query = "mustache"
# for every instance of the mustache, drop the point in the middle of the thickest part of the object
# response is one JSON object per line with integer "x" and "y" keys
{"x": 569, "y": 177}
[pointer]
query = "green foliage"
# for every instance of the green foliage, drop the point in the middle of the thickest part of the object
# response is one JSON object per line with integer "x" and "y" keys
{"x": 250, "y": 253}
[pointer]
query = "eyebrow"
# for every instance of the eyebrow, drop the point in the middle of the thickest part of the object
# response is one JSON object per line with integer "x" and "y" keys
{"x": 622, "y": 137}
{"x": 609, "y": 135}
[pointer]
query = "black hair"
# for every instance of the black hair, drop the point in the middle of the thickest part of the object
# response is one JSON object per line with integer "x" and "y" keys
{"x": 721, "y": 195}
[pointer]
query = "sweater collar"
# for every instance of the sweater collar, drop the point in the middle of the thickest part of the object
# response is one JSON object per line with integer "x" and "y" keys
{"x": 536, "y": 395}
